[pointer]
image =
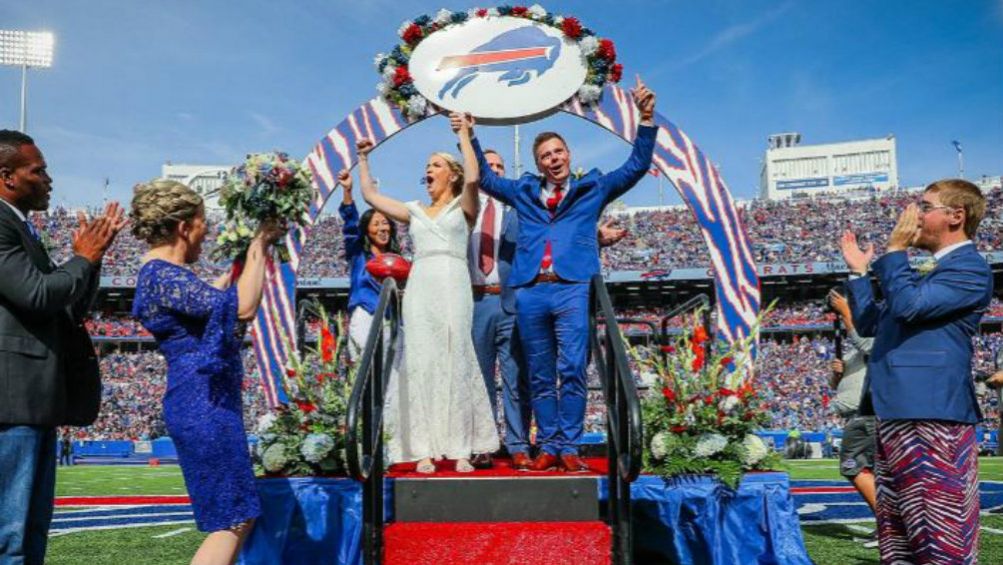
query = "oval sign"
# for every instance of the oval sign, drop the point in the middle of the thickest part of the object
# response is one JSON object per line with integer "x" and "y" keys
{"x": 502, "y": 69}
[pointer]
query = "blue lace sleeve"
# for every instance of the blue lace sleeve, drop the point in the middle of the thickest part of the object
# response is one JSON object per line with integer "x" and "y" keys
{"x": 176, "y": 289}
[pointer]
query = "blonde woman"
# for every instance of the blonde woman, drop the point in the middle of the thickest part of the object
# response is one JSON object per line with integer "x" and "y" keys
{"x": 198, "y": 330}
{"x": 437, "y": 406}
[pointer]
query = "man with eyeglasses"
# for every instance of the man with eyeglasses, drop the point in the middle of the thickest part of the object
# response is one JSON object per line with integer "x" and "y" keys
{"x": 919, "y": 374}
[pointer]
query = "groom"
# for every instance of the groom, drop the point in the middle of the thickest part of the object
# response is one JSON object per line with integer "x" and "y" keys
{"x": 556, "y": 256}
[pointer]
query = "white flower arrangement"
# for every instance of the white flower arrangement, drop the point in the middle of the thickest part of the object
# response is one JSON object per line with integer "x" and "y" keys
{"x": 589, "y": 93}
{"x": 274, "y": 458}
{"x": 316, "y": 447}
{"x": 710, "y": 444}
{"x": 755, "y": 449}
{"x": 416, "y": 105}
{"x": 589, "y": 44}
{"x": 658, "y": 445}
{"x": 538, "y": 12}
{"x": 443, "y": 17}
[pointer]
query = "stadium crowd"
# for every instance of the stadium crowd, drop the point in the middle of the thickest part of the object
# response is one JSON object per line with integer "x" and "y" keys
{"x": 793, "y": 231}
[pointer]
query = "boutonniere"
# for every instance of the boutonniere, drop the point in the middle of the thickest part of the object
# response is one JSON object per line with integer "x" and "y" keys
{"x": 926, "y": 266}
{"x": 579, "y": 173}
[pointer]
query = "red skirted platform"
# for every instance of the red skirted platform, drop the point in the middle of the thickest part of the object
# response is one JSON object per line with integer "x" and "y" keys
{"x": 499, "y": 543}
{"x": 502, "y": 468}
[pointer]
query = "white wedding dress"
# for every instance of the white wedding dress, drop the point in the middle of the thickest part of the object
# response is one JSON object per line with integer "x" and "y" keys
{"x": 437, "y": 405}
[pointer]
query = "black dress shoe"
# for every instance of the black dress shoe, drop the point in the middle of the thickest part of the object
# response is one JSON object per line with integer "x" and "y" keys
{"x": 482, "y": 461}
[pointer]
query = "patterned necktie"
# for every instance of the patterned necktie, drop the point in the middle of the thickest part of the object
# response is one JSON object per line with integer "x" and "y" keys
{"x": 552, "y": 203}
{"x": 487, "y": 258}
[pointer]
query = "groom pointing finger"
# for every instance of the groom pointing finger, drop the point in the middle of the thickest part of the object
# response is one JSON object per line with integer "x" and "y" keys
{"x": 556, "y": 256}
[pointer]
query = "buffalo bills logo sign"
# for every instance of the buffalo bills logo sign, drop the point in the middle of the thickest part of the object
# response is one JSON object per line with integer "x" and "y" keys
{"x": 501, "y": 69}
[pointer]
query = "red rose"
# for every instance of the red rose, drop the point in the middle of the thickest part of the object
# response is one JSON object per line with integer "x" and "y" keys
{"x": 698, "y": 360}
{"x": 708, "y": 400}
{"x": 725, "y": 392}
{"x": 290, "y": 373}
{"x": 283, "y": 177}
{"x": 401, "y": 76}
{"x": 616, "y": 73}
{"x": 412, "y": 34}
{"x": 668, "y": 394}
{"x": 519, "y": 10}
{"x": 668, "y": 349}
{"x": 481, "y": 12}
{"x": 606, "y": 50}
{"x": 572, "y": 27}
{"x": 678, "y": 429}
{"x": 725, "y": 361}
{"x": 306, "y": 407}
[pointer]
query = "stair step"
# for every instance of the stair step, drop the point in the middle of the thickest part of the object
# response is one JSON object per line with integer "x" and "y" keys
{"x": 497, "y": 543}
{"x": 567, "y": 498}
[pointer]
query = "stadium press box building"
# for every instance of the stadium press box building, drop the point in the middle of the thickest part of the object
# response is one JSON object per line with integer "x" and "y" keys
{"x": 792, "y": 170}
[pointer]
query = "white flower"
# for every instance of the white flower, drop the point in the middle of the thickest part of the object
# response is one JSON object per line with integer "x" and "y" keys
{"x": 389, "y": 70}
{"x": 383, "y": 87}
{"x": 537, "y": 11}
{"x": 274, "y": 458}
{"x": 443, "y": 16}
{"x": 728, "y": 404}
{"x": 493, "y": 12}
{"x": 710, "y": 444}
{"x": 589, "y": 93}
{"x": 755, "y": 449}
{"x": 416, "y": 105}
{"x": 403, "y": 27}
{"x": 558, "y": 20}
{"x": 316, "y": 447}
{"x": 589, "y": 45}
{"x": 379, "y": 59}
{"x": 265, "y": 422}
{"x": 659, "y": 449}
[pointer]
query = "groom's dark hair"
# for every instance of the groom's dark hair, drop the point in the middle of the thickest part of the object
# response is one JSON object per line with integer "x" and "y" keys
{"x": 544, "y": 137}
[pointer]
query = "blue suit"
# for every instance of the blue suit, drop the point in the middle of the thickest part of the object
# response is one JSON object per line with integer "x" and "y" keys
{"x": 553, "y": 317}
{"x": 496, "y": 339}
{"x": 920, "y": 366}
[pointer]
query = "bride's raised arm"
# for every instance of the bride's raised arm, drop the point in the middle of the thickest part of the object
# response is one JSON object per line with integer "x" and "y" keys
{"x": 469, "y": 199}
{"x": 390, "y": 207}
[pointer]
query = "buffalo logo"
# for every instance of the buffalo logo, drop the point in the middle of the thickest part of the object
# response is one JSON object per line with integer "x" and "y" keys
{"x": 516, "y": 54}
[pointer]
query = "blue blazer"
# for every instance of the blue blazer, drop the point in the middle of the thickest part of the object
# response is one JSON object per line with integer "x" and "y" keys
{"x": 921, "y": 364}
{"x": 572, "y": 230}
{"x": 506, "y": 254}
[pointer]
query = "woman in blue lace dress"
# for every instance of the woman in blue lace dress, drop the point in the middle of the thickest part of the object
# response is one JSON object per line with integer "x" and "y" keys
{"x": 198, "y": 330}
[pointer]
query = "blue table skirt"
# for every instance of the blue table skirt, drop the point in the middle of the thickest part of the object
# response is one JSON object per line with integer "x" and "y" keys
{"x": 684, "y": 521}
{"x": 308, "y": 521}
{"x": 696, "y": 520}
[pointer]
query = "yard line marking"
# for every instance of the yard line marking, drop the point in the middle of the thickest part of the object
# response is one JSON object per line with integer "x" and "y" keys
{"x": 992, "y": 530}
{"x": 858, "y": 528}
{"x": 118, "y": 516}
{"x": 171, "y": 533}
{"x": 115, "y": 527}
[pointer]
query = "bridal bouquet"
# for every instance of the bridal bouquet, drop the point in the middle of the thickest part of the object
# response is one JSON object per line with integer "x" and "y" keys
{"x": 307, "y": 436}
{"x": 702, "y": 409}
{"x": 266, "y": 186}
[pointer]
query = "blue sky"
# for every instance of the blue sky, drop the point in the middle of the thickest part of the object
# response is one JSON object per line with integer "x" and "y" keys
{"x": 135, "y": 84}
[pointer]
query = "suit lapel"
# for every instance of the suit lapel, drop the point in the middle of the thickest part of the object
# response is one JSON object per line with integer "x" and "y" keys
{"x": 34, "y": 247}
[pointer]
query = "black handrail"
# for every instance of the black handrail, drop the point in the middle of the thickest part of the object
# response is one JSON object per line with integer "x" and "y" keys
{"x": 624, "y": 445}
{"x": 365, "y": 452}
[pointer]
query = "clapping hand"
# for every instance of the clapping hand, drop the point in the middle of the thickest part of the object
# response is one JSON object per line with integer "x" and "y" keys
{"x": 610, "y": 234}
{"x": 906, "y": 231}
{"x": 644, "y": 99}
{"x": 857, "y": 259}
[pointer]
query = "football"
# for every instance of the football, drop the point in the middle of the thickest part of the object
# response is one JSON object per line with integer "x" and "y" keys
{"x": 389, "y": 265}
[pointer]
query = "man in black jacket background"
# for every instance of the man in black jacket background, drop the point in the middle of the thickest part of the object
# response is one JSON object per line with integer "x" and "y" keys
{"x": 48, "y": 369}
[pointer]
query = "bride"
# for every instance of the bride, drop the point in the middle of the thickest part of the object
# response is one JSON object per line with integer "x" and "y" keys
{"x": 437, "y": 406}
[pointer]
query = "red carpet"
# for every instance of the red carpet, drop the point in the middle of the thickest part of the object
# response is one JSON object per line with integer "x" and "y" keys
{"x": 500, "y": 543}
{"x": 502, "y": 468}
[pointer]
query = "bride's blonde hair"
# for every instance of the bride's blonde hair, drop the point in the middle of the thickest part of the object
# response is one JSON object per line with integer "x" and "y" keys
{"x": 454, "y": 167}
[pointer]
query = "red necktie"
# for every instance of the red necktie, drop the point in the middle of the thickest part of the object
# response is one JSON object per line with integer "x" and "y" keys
{"x": 552, "y": 203}
{"x": 487, "y": 258}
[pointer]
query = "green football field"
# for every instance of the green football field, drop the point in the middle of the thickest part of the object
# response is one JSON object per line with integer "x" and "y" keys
{"x": 830, "y": 544}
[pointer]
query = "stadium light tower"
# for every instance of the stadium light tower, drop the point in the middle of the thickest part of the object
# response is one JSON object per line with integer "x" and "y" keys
{"x": 26, "y": 49}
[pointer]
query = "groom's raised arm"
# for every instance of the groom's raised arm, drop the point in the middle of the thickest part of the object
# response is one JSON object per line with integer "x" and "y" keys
{"x": 621, "y": 180}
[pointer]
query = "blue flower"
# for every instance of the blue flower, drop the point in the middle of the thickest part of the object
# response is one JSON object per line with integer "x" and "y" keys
{"x": 407, "y": 90}
{"x": 398, "y": 56}
{"x": 422, "y": 20}
{"x": 459, "y": 17}
{"x": 587, "y": 31}
{"x": 504, "y": 10}
{"x": 548, "y": 19}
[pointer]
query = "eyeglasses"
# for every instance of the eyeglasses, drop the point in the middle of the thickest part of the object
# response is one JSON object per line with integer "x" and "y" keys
{"x": 927, "y": 207}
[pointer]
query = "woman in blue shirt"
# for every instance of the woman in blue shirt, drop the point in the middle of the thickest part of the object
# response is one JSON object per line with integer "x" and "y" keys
{"x": 365, "y": 238}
